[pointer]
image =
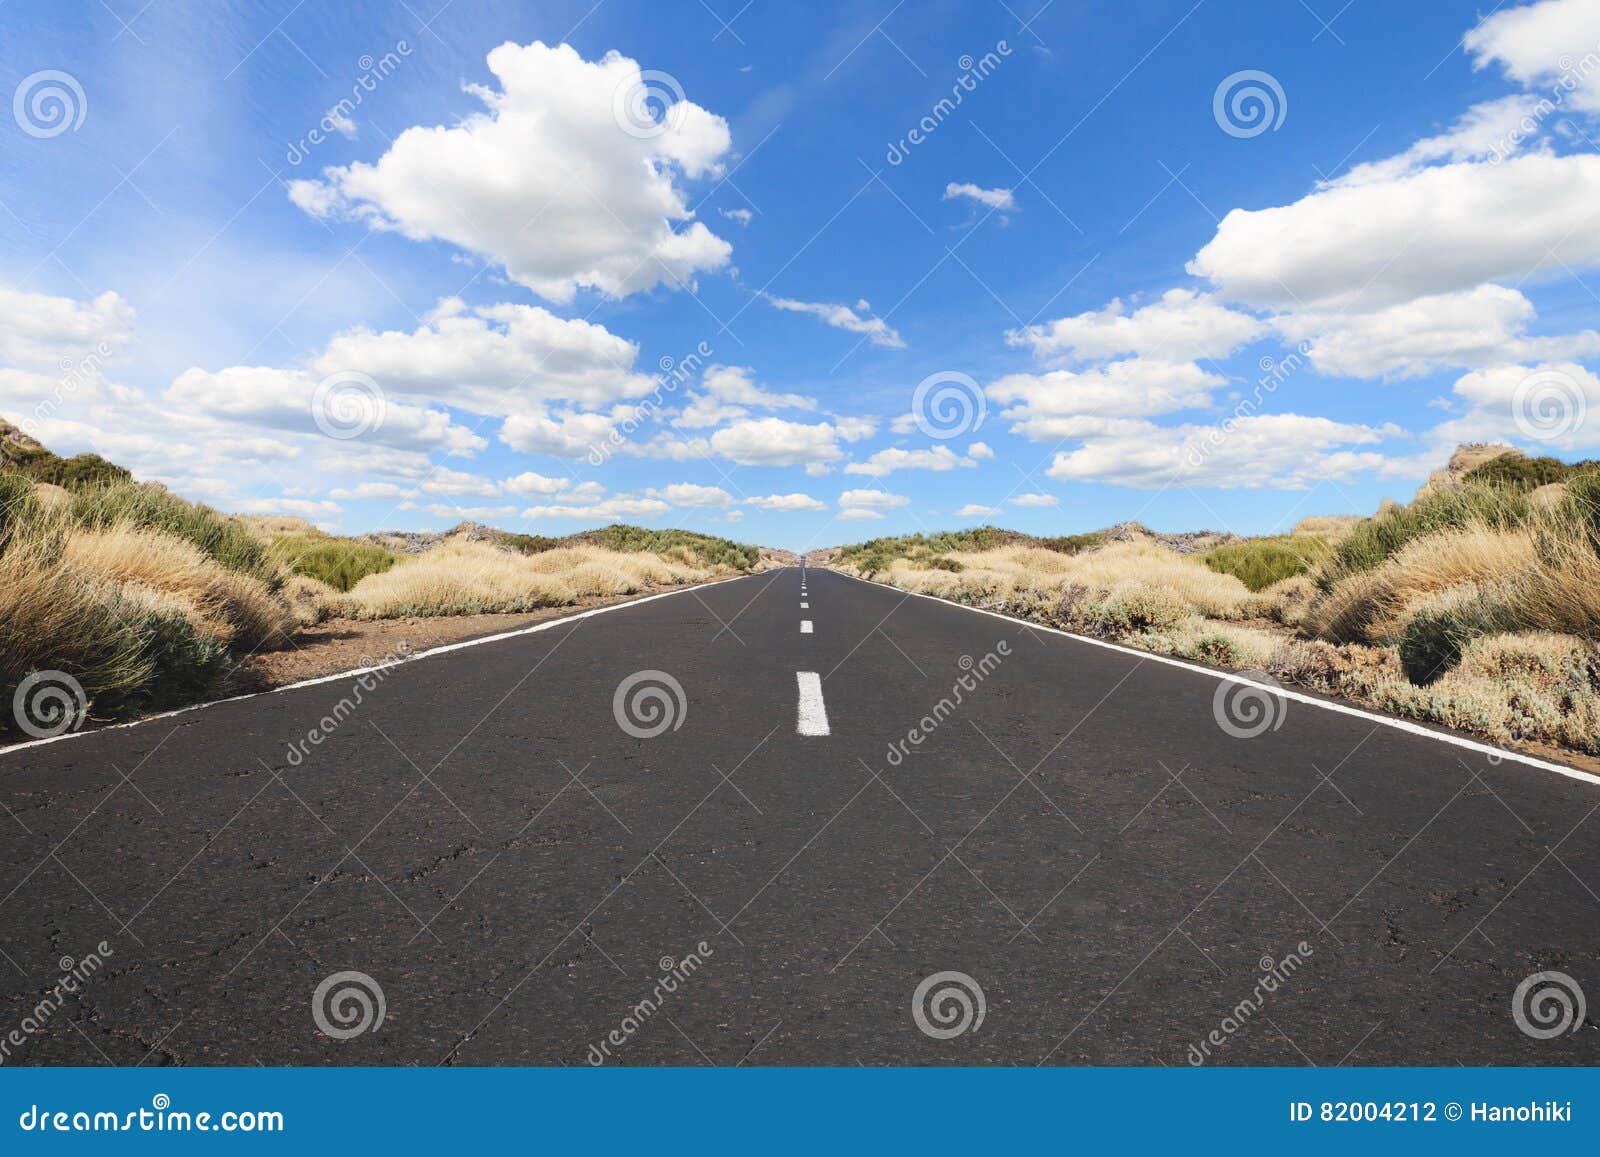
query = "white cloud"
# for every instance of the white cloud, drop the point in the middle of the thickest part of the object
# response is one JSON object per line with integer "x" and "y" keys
{"x": 937, "y": 459}
{"x": 692, "y": 494}
{"x": 468, "y": 513}
{"x": 299, "y": 507}
{"x": 1181, "y": 326}
{"x": 493, "y": 359}
{"x": 993, "y": 198}
{"x": 786, "y": 502}
{"x": 876, "y": 330}
{"x": 1064, "y": 403}
{"x": 1288, "y": 451}
{"x": 857, "y": 514}
{"x": 1535, "y": 43}
{"x": 729, "y": 394}
{"x": 873, "y": 499}
{"x": 740, "y": 217}
{"x": 1035, "y": 500}
{"x": 547, "y": 180}
{"x": 284, "y": 400}
{"x": 1493, "y": 128}
{"x": 373, "y": 490}
{"x": 1554, "y": 406}
{"x": 777, "y": 442}
{"x": 977, "y": 510}
{"x": 528, "y": 484}
{"x": 609, "y": 510}
{"x": 1439, "y": 230}
{"x": 39, "y": 331}
{"x": 1472, "y": 328}
{"x": 337, "y": 119}
{"x": 979, "y": 451}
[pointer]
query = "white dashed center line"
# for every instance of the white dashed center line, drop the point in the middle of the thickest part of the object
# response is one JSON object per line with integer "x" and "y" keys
{"x": 805, "y": 606}
{"x": 805, "y": 626}
{"x": 813, "y": 713}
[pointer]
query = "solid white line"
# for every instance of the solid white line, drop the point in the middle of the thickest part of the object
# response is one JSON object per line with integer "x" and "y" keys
{"x": 1298, "y": 696}
{"x": 804, "y": 606}
{"x": 813, "y": 713}
{"x": 441, "y": 650}
{"x": 805, "y": 626}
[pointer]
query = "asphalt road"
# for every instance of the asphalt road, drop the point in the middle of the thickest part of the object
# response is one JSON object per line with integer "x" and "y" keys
{"x": 1078, "y": 837}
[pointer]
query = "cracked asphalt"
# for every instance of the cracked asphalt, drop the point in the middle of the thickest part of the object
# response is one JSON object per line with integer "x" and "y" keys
{"x": 1108, "y": 868}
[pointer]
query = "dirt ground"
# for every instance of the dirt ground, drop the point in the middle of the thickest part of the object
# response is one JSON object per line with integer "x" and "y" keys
{"x": 344, "y": 644}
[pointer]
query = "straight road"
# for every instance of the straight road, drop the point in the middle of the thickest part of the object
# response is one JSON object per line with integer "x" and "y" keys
{"x": 541, "y": 854}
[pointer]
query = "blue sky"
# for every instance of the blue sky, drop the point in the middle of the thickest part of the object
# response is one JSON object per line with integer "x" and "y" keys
{"x": 449, "y": 297}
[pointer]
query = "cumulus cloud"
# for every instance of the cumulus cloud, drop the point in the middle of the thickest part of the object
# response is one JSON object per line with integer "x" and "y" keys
{"x": 786, "y": 502}
{"x": 873, "y": 499}
{"x": 1554, "y": 406}
{"x": 608, "y": 510}
{"x": 979, "y": 451}
{"x": 1067, "y": 403}
{"x": 557, "y": 179}
{"x": 857, "y": 514}
{"x": 39, "y": 331}
{"x": 1181, "y": 326}
{"x": 1472, "y": 328}
{"x": 1035, "y": 500}
{"x": 858, "y": 320}
{"x": 694, "y": 495}
{"x": 778, "y": 442}
{"x": 1287, "y": 451}
{"x": 937, "y": 458}
{"x": 992, "y": 198}
{"x": 977, "y": 510}
{"x": 493, "y": 359}
{"x": 1438, "y": 230}
{"x": 729, "y": 393}
{"x": 1535, "y": 45}
{"x": 740, "y": 217}
{"x": 286, "y": 400}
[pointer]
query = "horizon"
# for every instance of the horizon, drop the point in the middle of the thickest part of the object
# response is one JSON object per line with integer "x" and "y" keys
{"x": 801, "y": 278}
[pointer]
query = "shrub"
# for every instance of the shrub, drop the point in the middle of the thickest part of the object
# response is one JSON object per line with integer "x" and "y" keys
{"x": 1136, "y": 607}
{"x": 1528, "y": 473}
{"x": 1260, "y": 562}
{"x": 144, "y": 505}
{"x": 1370, "y": 543}
{"x": 338, "y": 562}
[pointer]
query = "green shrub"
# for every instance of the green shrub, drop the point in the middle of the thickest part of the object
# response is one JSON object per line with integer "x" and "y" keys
{"x": 339, "y": 562}
{"x": 1437, "y": 634}
{"x": 709, "y": 550}
{"x": 141, "y": 505}
{"x": 1137, "y": 608}
{"x": 1528, "y": 473}
{"x": 1372, "y": 541}
{"x": 1260, "y": 562}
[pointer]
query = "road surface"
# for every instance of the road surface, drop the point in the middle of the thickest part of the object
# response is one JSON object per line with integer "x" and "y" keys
{"x": 1076, "y": 863}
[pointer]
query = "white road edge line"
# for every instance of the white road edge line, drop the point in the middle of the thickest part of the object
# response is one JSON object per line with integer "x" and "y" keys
{"x": 813, "y": 713}
{"x": 1287, "y": 693}
{"x": 445, "y": 649}
{"x": 805, "y": 626}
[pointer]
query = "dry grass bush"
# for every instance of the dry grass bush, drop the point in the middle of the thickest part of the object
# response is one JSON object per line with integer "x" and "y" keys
{"x": 1373, "y": 606}
{"x": 1331, "y": 527}
{"x": 233, "y": 608}
{"x": 458, "y": 578}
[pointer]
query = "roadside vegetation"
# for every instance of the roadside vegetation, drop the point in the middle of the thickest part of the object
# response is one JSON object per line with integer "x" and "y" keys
{"x": 147, "y": 601}
{"x": 1476, "y": 606}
